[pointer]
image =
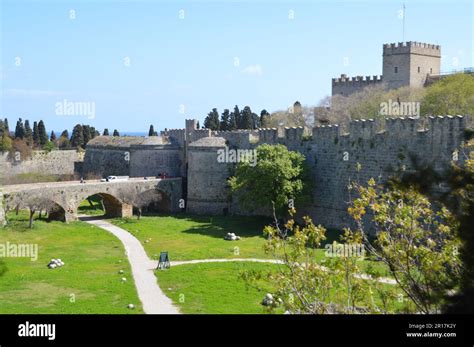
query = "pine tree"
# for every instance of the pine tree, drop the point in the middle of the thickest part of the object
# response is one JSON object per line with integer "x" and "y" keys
{"x": 106, "y": 132}
{"x": 212, "y": 120}
{"x": 65, "y": 133}
{"x": 116, "y": 133}
{"x": 19, "y": 129}
{"x": 43, "y": 137}
{"x": 52, "y": 137}
{"x": 35, "y": 134}
{"x": 5, "y": 125}
{"x": 77, "y": 137}
{"x": 225, "y": 120}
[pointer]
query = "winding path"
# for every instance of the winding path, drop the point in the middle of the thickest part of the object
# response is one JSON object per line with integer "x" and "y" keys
{"x": 153, "y": 299}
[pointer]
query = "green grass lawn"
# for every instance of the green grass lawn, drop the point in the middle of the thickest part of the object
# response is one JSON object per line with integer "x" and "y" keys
{"x": 215, "y": 288}
{"x": 189, "y": 237}
{"x": 90, "y": 275}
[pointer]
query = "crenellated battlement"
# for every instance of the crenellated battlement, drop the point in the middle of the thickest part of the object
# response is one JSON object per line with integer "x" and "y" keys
{"x": 357, "y": 79}
{"x": 395, "y": 127}
{"x": 412, "y": 47}
{"x": 294, "y": 134}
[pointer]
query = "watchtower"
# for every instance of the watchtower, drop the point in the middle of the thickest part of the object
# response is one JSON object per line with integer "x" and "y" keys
{"x": 409, "y": 63}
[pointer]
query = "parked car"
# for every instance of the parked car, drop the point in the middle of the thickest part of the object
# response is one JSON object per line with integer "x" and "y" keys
{"x": 114, "y": 178}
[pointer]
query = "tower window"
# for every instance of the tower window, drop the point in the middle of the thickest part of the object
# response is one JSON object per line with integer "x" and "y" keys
{"x": 419, "y": 69}
{"x": 396, "y": 69}
{"x": 431, "y": 70}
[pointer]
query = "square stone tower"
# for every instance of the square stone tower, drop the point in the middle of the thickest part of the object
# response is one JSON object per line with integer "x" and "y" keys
{"x": 409, "y": 63}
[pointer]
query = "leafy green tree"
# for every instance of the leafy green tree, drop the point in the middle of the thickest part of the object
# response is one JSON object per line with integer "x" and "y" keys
{"x": 116, "y": 133}
{"x": 63, "y": 142}
{"x": 5, "y": 143}
{"x": 451, "y": 95}
{"x": 77, "y": 137}
{"x": 278, "y": 176}
{"x": 418, "y": 245}
{"x": 43, "y": 136}
{"x": 461, "y": 182}
{"x": 49, "y": 146}
{"x": 106, "y": 132}
{"x": 304, "y": 285}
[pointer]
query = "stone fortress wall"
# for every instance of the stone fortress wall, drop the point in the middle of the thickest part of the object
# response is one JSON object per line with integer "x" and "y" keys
{"x": 383, "y": 148}
{"x": 42, "y": 162}
{"x": 404, "y": 64}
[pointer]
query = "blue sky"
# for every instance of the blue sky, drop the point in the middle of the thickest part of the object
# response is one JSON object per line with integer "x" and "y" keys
{"x": 220, "y": 54}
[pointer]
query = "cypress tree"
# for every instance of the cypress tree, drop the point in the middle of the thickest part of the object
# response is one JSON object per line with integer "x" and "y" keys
{"x": 43, "y": 137}
{"x": 116, "y": 133}
{"x": 52, "y": 137}
{"x": 36, "y": 140}
{"x": 28, "y": 133}
{"x": 106, "y": 132}
{"x": 19, "y": 129}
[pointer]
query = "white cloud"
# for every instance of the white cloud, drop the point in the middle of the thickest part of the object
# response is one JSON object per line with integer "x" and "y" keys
{"x": 253, "y": 70}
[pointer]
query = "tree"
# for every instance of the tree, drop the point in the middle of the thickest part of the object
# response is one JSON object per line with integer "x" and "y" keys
{"x": 302, "y": 285}
{"x": 246, "y": 119}
{"x": 234, "y": 119}
{"x": 5, "y": 143}
{"x": 6, "y": 126}
{"x": 36, "y": 139}
{"x": 52, "y": 137}
{"x": 278, "y": 176}
{"x": 264, "y": 118}
{"x": 86, "y": 134}
{"x": 106, "y": 132}
{"x": 43, "y": 137}
{"x": 19, "y": 129}
{"x": 212, "y": 120}
{"x": 418, "y": 245}
{"x": 77, "y": 137}
{"x": 152, "y": 131}
{"x": 116, "y": 133}
{"x": 28, "y": 133}
{"x": 225, "y": 119}
{"x": 451, "y": 95}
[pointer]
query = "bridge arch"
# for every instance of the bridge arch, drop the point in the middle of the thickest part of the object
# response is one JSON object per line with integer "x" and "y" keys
{"x": 113, "y": 205}
{"x": 154, "y": 200}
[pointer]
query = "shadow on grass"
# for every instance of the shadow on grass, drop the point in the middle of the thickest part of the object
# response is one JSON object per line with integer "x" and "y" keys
{"x": 219, "y": 226}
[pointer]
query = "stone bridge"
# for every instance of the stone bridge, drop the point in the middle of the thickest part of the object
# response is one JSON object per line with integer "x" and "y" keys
{"x": 62, "y": 199}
